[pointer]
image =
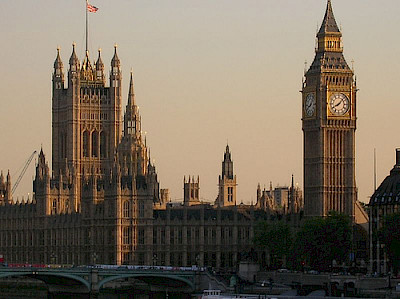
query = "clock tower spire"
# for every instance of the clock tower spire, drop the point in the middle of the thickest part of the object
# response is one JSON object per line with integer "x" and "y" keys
{"x": 329, "y": 125}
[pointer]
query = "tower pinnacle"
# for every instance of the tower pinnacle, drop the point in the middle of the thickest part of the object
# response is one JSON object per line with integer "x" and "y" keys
{"x": 329, "y": 24}
{"x": 131, "y": 95}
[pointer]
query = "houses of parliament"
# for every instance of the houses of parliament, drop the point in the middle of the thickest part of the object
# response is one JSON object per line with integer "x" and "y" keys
{"x": 100, "y": 202}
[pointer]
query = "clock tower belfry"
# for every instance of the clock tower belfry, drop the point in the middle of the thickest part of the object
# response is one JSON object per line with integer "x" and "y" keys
{"x": 329, "y": 125}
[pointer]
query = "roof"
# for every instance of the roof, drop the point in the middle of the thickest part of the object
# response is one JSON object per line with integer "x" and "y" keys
{"x": 329, "y": 24}
{"x": 329, "y": 61}
{"x": 388, "y": 193}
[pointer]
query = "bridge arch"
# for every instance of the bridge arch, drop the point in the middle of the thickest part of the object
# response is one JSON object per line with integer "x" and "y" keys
{"x": 45, "y": 276}
{"x": 143, "y": 277}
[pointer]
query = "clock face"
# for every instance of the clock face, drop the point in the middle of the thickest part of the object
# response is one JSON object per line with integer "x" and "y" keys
{"x": 339, "y": 104}
{"x": 309, "y": 104}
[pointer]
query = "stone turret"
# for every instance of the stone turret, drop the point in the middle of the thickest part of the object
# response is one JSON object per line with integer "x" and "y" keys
{"x": 227, "y": 182}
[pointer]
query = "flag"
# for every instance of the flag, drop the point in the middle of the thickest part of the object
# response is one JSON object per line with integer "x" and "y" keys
{"x": 91, "y": 8}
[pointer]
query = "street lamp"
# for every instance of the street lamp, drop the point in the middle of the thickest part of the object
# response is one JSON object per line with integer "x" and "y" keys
{"x": 154, "y": 259}
{"x": 52, "y": 258}
{"x": 197, "y": 260}
{"x": 95, "y": 256}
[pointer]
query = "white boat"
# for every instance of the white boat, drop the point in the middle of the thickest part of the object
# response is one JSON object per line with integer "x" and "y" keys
{"x": 211, "y": 294}
{"x": 216, "y": 294}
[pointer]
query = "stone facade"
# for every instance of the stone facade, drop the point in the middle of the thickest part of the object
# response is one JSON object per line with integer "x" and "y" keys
{"x": 285, "y": 200}
{"x": 101, "y": 202}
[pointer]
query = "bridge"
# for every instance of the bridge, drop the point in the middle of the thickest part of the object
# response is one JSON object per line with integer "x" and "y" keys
{"x": 90, "y": 280}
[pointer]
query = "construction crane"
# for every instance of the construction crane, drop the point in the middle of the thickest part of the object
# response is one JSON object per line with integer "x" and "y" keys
{"x": 22, "y": 172}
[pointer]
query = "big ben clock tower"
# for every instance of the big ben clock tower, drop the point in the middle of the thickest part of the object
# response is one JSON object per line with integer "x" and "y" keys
{"x": 329, "y": 125}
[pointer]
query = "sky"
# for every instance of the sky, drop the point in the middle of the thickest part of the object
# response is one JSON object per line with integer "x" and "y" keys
{"x": 206, "y": 73}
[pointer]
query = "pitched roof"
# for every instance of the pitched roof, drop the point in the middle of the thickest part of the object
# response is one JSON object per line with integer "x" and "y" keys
{"x": 329, "y": 23}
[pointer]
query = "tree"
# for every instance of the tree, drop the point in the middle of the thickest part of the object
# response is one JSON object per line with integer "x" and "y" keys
{"x": 390, "y": 236}
{"x": 276, "y": 238}
{"x": 322, "y": 240}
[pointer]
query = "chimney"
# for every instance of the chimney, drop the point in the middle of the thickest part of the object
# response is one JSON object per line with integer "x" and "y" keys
{"x": 398, "y": 157}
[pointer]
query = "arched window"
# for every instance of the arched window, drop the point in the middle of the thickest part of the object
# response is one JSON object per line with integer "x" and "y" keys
{"x": 126, "y": 235}
{"x": 85, "y": 142}
{"x": 95, "y": 144}
{"x": 54, "y": 207}
{"x": 61, "y": 145}
{"x": 67, "y": 205}
{"x": 126, "y": 209}
{"x": 103, "y": 145}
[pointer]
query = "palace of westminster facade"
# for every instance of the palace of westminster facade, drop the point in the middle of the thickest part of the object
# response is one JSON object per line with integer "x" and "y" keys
{"x": 101, "y": 202}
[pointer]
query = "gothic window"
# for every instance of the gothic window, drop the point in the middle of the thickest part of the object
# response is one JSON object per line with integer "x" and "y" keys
{"x": 126, "y": 236}
{"x": 230, "y": 194}
{"x": 154, "y": 236}
{"x": 172, "y": 237}
{"x": 141, "y": 236}
{"x": 162, "y": 236}
{"x": 95, "y": 143}
{"x": 54, "y": 207}
{"x": 131, "y": 127}
{"x": 65, "y": 145}
{"x": 66, "y": 205}
{"x": 126, "y": 209}
{"x": 141, "y": 209}
{"x": 180, "y": 236}
{"x": 103, "y": 145}
{"x": 85, "y": 141}
{"x": 214, "y": 236}
{"x": 61, "y": 145}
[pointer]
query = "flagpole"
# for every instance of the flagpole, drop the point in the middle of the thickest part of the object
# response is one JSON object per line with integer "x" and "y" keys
{"x": 87, "y": 31}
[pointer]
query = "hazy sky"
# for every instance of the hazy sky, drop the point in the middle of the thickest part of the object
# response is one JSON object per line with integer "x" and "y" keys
{"x": 205, "y": 72}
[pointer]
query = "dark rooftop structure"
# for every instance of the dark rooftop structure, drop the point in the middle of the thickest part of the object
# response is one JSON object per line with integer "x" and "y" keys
{"x": 388, "y": 193}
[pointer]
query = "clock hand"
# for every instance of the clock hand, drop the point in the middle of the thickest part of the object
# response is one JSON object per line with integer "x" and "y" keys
{"x": 338, "y": 104}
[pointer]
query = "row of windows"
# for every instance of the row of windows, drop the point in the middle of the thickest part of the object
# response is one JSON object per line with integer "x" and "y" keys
{"x": 94, "y": 144}
{"x": 127, "y": 209}
{"x": 101, "y": 116}
{"x": 193, "y": 236}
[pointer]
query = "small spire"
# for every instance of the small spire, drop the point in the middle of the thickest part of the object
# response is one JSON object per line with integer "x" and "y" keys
{"x": 149, "y": 157}
{"x": 329, "y": 24}
{"x": 58, "y": 63}
{"x": 397, "y": 157}
{"x": 99, "y": 63}
{"x": 131, "y": 95}
{"x": 73, "y": 55}
{"x": 115, "y": 60}
{"x": 86, "y": 62}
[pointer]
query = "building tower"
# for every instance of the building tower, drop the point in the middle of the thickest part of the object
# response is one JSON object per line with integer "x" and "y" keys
{"x": 227, "y": 182}
{"x": 329, "y": 125}
{"x": 191, "y": 191}
{"x": 87, "y": 121}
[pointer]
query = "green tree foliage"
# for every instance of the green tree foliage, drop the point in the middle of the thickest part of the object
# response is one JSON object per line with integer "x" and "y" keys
{"x": 276, "y": 238}
{"x": 322, "y": 240}
{"x": 390, "y": 236}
